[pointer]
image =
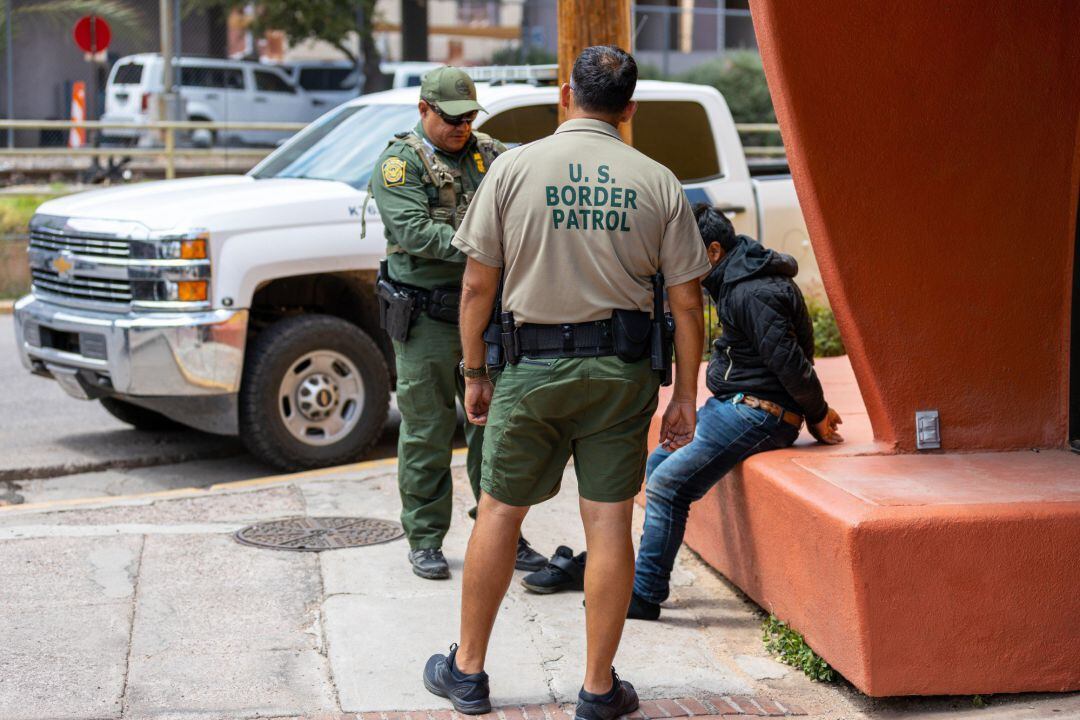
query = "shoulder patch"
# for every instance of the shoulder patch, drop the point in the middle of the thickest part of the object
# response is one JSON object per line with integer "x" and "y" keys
{"x": 393, "y": 172}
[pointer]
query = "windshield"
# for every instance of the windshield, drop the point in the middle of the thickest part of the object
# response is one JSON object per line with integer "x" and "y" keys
{"x": 342, "y": 146}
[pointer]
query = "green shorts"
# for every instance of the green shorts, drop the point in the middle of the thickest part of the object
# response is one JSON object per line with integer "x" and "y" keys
{"x": 544, "y": 411}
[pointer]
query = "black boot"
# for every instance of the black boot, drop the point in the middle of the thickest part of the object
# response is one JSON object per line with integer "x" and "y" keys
{"x": 469, "y": 694}
{"x": 562, "y": 572}
{"x": 642, "y": 609}
{"x": 527, "y": 558}
{"x": 429, "y": 563}
{"x": 621, "y": 700}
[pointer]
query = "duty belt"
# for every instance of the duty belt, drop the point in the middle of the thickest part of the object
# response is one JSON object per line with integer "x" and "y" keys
{"x": 770, "y": 407}
{"x": 588, "y": 339}
{"x": 438, "y": 303}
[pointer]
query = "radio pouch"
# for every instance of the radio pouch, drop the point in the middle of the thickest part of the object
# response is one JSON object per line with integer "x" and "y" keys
{"x": 631, "y": 330}
{"x": 443, "y": 304}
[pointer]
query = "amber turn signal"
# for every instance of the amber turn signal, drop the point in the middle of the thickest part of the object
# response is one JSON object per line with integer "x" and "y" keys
{"x": 193, "y": 249}
{"x": 191, "y": 291}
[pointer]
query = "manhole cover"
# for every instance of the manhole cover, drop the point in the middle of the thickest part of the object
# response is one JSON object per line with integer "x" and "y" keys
{"x": 319, "y": 533}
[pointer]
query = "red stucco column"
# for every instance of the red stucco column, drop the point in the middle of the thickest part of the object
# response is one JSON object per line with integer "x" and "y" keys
{"x": 935, "y": 151}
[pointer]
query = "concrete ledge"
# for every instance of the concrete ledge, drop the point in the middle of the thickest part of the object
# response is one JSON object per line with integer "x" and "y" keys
{"x": 933, "y": 574}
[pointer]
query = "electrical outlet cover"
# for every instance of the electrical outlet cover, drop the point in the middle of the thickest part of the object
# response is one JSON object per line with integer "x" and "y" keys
{"x": 927, "y": 430}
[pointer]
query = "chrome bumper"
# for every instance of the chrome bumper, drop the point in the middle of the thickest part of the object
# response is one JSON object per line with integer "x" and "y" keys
{"x": 155, "y": 356}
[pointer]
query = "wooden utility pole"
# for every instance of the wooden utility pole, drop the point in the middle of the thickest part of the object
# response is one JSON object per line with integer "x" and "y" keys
{"x": 583, "y": 23}
{"x": 414, "y": 30}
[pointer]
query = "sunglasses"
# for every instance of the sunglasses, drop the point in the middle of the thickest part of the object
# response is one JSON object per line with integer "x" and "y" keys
{"x": 455, "y": 120}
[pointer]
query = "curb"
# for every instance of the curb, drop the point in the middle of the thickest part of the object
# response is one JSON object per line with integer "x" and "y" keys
{"x": 7, "y": 307}
{"x": 709, "y": 708}
{"x": 266, "y": 481}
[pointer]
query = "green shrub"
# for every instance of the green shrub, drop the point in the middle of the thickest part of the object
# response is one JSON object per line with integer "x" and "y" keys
{"x": 16, "y": 211}
{"x": 791, "y": 649}
{"x": 740, "y": 78}
{"x": 827, "y": 341}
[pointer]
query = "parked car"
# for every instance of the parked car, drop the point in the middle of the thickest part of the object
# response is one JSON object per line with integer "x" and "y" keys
{"x": 245, "y": 304}
{"x": 335, "y": 82}
{"x": 209, "y": 89}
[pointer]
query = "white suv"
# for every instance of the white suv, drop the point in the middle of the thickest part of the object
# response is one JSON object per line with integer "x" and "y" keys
{"x": 213, "y": 90}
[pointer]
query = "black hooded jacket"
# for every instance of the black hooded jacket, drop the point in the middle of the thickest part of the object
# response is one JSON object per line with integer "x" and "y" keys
{"x": 766, "y": 348}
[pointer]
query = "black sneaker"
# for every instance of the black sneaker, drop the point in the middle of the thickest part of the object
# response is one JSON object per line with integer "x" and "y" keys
{"x": 429, "y": 563}
{"x": 621, "y": 700}
{"x": 642, "y": 609}
{"x": 527, "y": 558}
{"x": 469, "y": 694}
{"x": 563, "y": 571}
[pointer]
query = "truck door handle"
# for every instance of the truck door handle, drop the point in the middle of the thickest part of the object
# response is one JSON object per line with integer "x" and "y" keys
{"x": 733, "y": 209}
{"x": 260, "y": 99}
{"x": 212, "y": 96}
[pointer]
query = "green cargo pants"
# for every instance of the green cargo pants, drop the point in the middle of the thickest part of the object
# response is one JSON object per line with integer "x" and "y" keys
{"x": 428, "y": 386}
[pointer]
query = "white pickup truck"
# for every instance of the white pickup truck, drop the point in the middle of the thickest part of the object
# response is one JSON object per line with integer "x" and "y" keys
{"x": 245, "y": 304}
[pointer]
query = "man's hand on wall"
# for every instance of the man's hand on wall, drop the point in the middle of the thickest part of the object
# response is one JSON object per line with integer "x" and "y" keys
{"x": 825, "y": 431}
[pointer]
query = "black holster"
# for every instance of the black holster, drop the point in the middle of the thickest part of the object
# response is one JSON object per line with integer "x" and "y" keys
{"x": 630, "y": 332}
{"x": 662, "y": 335}
{"x": 397, "y": 308}
{"x": 400, "y": 304}
{"x": 509, "y": 339}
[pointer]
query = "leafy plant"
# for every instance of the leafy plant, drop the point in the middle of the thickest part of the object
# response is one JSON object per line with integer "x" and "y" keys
{"x": 791, "y": 649}
{"x": 122, "y": 16}
{"x": 827, "y": 341}
{"x": 332, "y": 21}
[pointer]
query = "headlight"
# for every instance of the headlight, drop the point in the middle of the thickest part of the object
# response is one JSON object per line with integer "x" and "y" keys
{"x": 188, "y": 248}
{"x": 179, "y": 278}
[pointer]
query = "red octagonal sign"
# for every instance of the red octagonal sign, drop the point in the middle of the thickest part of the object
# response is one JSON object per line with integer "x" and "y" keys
{"x": 92, "y": 34}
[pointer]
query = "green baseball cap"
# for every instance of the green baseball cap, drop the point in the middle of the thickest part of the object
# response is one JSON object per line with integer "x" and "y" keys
{"x": 451, "y": 89}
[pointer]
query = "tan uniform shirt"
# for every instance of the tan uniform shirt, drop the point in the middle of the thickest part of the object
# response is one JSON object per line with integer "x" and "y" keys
{"x": 581, "y": 221}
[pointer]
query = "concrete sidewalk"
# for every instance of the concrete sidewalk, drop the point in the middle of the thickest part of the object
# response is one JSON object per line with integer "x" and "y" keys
{"x": 148, "y": 608}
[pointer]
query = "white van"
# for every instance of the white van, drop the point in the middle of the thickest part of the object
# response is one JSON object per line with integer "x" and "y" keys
{"x": 210, "y": 89}
{"x": 332, "y": 82}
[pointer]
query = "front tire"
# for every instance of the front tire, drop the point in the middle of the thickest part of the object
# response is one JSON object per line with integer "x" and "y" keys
{"x": 315, "y": 392}
{"x": 138, "y": 417}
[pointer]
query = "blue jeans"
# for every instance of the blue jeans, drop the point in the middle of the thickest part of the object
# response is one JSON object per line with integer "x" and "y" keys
{"x": 726, "y": 434}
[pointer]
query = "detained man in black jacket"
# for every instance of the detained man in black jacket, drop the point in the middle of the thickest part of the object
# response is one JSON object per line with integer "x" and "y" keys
{"x": 763, "y": 386}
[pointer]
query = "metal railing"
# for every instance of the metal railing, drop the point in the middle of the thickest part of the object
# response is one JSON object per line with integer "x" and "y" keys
{"x": 169, "y": 151}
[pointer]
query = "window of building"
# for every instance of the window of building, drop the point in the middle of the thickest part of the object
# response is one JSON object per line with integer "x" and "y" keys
{"x": 678, "y": 134}
{"x": 270, "y": 82}
{"x": 520, "y": 125}
{"x": 478, "y": 12}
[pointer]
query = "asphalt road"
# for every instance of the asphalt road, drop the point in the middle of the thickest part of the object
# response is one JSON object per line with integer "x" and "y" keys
{"x": 53, "y": 446}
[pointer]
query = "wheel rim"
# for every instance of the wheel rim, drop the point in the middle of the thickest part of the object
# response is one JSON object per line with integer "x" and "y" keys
{"x": 321, "y": 397}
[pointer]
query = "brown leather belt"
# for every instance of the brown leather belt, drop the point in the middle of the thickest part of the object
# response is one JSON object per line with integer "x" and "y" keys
{"x": 770, "y": 407}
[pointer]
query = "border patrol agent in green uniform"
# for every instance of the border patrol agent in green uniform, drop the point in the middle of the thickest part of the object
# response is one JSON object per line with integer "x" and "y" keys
{"x": 423, "y": 183}
{"x": 578, "y": 226}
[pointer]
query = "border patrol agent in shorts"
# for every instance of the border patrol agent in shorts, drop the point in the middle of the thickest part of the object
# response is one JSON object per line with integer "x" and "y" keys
{"x": 423, "y": 183}
{"x": 577, "y": 225}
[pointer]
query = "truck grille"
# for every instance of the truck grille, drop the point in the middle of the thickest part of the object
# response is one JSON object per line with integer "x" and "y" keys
{"x": 42, "y": 239}
{"x": 101, "y": 290}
